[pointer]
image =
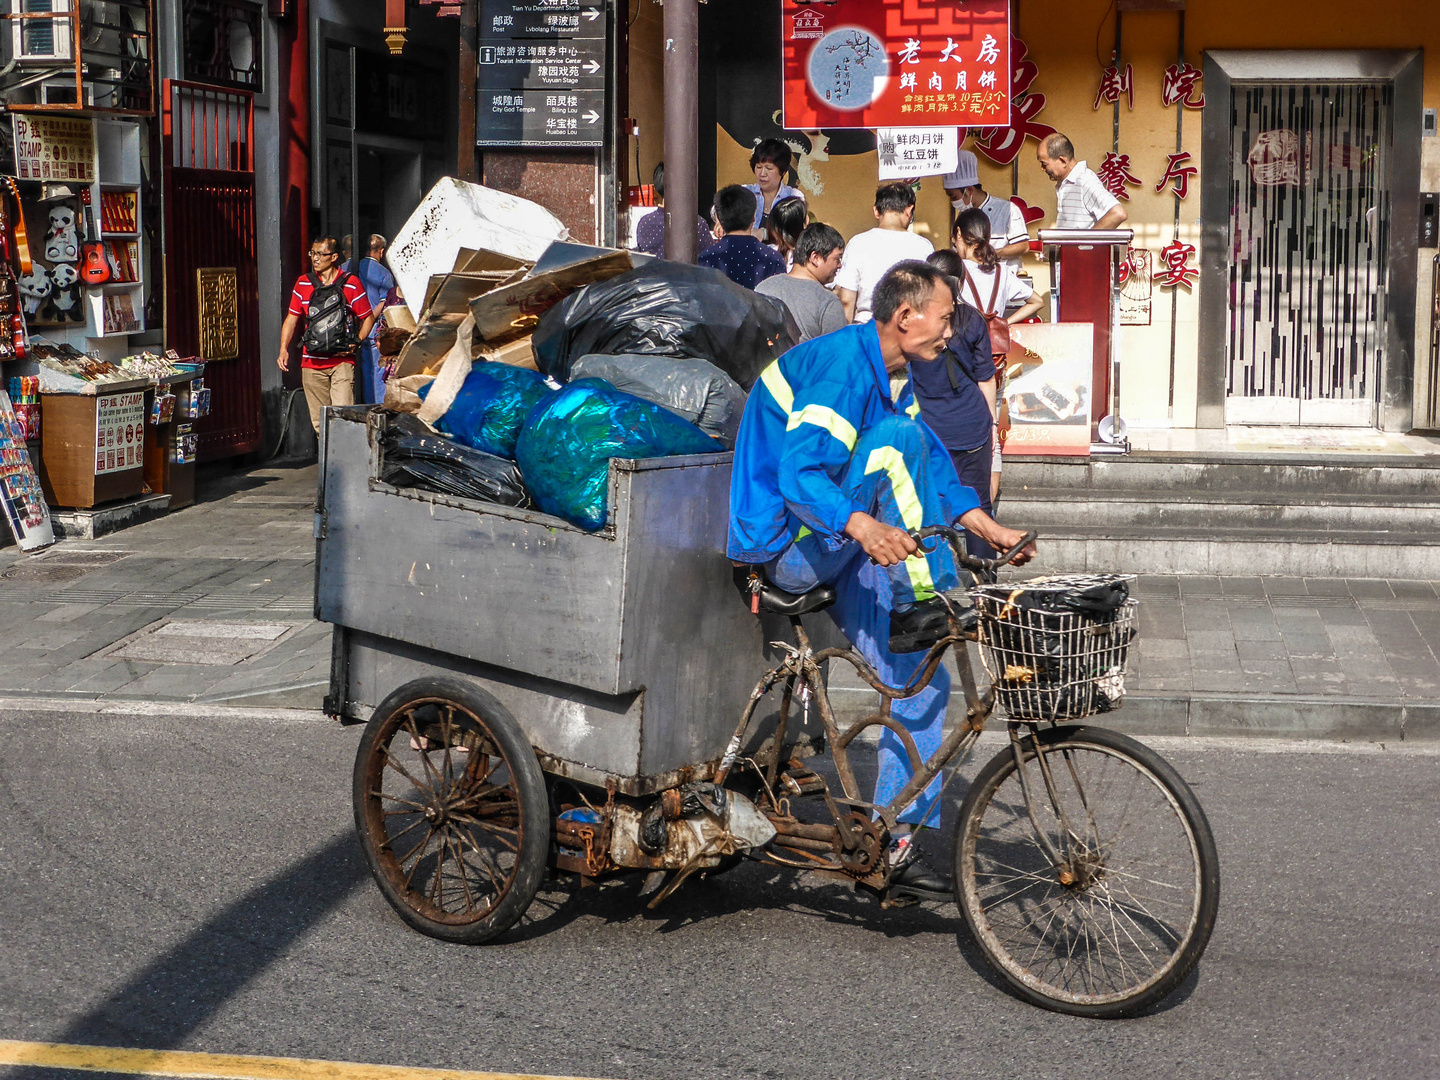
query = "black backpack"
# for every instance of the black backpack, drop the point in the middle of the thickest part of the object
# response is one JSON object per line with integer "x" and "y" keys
{"x": 331, "y": 328}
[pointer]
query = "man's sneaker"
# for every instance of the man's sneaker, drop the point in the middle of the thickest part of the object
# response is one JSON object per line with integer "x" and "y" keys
{"x": 920, "y": 627}
{"x": 912, "y": 877}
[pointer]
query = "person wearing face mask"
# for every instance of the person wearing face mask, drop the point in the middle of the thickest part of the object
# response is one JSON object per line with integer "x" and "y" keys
{"x": 1011, "y": 238}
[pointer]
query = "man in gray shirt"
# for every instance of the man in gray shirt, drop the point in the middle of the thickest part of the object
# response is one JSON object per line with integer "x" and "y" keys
{"x": 817, "y": 260}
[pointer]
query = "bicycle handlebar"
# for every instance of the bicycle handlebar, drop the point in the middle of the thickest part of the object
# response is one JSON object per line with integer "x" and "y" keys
{"x": 956, "y": 540}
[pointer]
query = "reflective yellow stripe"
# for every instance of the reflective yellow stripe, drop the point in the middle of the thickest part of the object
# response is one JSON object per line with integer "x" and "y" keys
{"x": 778, "y": 387}
{"x": 827, "y": 418}
{"x": 913, "y": 409}
{"x": 804, "y": 532}
{"x": 907, "y": 499}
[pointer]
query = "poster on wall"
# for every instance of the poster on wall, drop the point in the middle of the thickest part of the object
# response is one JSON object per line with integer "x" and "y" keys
{"x": 896, "y": 63}
{"x": 1047, "y": 389}
{"x": 119, "y": 432}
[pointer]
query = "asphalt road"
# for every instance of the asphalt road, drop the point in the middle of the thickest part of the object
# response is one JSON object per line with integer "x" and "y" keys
{"x": 175, "y": 882}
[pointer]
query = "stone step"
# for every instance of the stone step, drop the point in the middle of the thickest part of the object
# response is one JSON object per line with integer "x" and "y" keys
{"x": 1126, "y": 511}
{"x": 1407, "y": 477}
{"x": 1242, "y": 552}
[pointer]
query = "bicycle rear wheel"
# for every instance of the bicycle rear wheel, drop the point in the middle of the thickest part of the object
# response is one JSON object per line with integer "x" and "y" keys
{"x": 1124, "y": 917}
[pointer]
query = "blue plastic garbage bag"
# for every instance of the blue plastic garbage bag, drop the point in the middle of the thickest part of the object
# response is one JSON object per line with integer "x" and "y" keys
{"x": 492, "y": 407}
{"x": 566, "y": 446}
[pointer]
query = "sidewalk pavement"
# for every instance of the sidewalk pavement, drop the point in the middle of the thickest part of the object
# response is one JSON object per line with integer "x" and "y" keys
{"x": 213, "y": 606}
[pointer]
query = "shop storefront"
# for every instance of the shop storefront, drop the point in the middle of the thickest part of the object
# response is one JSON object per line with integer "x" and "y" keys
{"x": 1273, "y": 162}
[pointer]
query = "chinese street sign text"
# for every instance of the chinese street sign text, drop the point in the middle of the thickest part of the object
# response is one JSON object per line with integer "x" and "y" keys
{"x": 119, "y": 432}
{"x": 542, "y": 73}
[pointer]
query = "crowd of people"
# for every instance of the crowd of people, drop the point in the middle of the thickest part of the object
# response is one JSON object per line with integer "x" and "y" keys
{"x": 763, "y": 236}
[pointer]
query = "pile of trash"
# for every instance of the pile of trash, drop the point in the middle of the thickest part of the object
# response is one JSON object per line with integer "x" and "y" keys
{"x": 524, "y": 376}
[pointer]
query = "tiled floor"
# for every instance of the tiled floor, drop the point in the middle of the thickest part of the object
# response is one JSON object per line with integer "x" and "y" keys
{"x": 1326, "y": 636}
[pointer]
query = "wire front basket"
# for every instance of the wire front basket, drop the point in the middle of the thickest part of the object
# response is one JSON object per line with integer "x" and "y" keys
{"x": 1050, "y": 654}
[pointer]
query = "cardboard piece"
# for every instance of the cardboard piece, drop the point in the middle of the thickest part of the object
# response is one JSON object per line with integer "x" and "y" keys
{"x": 512, "y": 311}
{"x": 517, "y": 353}
{"x": 448, "y": 303}
{"x": 453, "y": 371}
{"x": 403, "y": 395}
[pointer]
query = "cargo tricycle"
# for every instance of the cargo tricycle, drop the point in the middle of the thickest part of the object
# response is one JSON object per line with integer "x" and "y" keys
{"x": 541, "y": 699}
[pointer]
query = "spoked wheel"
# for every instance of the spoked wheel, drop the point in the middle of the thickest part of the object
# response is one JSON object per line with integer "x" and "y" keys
{"x": 1106, "y": 908}
{"x": 451, "y": 809}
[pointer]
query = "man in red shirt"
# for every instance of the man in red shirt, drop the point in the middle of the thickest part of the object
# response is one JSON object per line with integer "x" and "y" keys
{"x": 327, "y": 380}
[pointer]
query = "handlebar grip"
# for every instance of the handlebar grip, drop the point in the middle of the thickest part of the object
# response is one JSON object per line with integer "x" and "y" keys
{"x": 957, "y": 540}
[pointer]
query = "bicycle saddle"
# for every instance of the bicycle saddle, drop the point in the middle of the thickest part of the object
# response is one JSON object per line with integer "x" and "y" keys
{"x": 752, "y": 583}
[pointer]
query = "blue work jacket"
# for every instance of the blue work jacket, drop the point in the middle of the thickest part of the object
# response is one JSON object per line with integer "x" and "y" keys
{"x": 806, "y": 413}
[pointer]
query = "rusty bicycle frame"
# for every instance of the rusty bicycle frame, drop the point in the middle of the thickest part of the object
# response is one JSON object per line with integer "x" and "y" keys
{"x": 854, "y": 843}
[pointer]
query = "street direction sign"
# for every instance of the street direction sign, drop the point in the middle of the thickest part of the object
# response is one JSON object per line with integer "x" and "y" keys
{"x": 542, "y": 69}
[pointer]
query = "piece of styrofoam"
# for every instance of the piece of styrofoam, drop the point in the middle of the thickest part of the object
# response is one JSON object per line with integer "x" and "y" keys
{"x": 454, "y": 215}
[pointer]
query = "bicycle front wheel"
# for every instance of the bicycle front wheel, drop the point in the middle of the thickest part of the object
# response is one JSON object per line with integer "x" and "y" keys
{"x": 1099, "y": 897}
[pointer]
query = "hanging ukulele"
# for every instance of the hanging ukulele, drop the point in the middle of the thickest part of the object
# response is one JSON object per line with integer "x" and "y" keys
{"x": 94, "y": 267}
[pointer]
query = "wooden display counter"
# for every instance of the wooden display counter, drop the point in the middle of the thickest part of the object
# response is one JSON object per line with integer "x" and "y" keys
{"x": 92, "y": 445}
{"x": 162, "y": 473}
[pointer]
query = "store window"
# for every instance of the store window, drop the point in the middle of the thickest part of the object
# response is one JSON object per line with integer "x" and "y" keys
{"x": 223, "y": 43}
{"x": 1310, "y": 218}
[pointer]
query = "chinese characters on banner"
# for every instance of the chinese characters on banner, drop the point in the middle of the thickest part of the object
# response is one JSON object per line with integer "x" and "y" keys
{"x": 1002, "y": 143}
{"x": 54, "y": 148}
{"x": 896, "y": 63}
{"x": 912, "y": 152}
{"x": 119, "y": 432}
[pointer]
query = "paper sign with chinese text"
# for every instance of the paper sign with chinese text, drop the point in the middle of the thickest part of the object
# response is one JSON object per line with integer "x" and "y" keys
{"x": 909, "y": 152}
{"x": 119, "y": 432}
{"x": 54, "y": 148}
{"x": 896, "y": 63}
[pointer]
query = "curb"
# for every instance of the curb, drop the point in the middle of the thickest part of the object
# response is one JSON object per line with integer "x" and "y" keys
{"x": 143, "y": 707}
{"x": 1284, "y": 715}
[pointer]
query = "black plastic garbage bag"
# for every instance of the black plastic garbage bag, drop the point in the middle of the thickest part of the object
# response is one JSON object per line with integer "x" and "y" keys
{"x": 411, "y": 455}
{"x": 694, "y": 389}
{"x": 667, "y": 309}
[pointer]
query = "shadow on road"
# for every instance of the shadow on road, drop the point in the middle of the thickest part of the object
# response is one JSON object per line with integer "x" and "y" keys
{"x": 179, "y": 991}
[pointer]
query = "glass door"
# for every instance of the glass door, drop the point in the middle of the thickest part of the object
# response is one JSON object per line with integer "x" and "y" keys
{"x": 1309, "y": 226}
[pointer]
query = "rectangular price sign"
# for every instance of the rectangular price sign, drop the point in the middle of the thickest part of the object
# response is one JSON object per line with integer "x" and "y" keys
{"x": 119, "y": 432}
{"x": 896, "y": 63}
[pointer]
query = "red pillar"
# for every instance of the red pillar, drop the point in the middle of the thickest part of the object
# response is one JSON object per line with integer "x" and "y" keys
{"x": 294, "y": 77}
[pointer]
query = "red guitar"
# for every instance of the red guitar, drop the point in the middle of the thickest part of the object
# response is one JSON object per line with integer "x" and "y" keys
{"x": 94, "y": 267}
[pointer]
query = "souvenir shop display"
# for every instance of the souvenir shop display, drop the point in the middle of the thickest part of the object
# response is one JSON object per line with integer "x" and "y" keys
{"x": 25, "y": 399}
{"x": 21, "y": 496}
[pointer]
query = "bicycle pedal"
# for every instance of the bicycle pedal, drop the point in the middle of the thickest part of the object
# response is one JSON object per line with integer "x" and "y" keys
{"x": 890, "y": 899}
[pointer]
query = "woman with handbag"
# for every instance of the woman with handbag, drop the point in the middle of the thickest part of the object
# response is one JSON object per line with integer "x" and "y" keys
{"x": 990, "y": 287}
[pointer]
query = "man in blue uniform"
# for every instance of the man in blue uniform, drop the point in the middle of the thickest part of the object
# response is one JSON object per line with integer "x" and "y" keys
{"x": 833, "y": 470}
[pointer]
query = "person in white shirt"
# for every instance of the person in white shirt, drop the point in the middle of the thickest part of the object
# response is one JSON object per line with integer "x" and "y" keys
{"x": 871, "y": 253}
{"x": 1011, "y": 238}
{"x": 991, "y": 287}
{"x": 1081, "y": 200}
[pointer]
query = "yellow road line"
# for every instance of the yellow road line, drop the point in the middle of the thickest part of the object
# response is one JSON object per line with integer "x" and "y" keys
{"x": 181, "y": 1063}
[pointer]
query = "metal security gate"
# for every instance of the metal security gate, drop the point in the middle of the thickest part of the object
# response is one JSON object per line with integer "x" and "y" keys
{"x": 211, "y": 291}
{"x": 1310, "y": 219}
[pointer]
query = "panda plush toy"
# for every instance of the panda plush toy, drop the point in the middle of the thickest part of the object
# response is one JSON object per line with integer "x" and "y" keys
{"x": 64, "y": 303}
{"x": 62, "y": 243}
{"x": 35, "y": 289}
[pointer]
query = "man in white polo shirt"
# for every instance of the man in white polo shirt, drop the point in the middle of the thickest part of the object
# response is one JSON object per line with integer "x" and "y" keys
{"x": 1081, "y": 200}
{"x": 1008, "y": 234}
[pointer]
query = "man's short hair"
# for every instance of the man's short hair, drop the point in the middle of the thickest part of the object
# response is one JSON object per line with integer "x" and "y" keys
{"x": 817, "y": 239}
{"x": 1058, "y": 146}
{"x": 657, "y": 179}
{"x": 329, "y": 243}
{"x": 775, "y": 151}
{"x": 376, "y": 240}
{"x": 909, "y": 282}
{"x": 894, "y": 198}
{"x": 735, "y": 208}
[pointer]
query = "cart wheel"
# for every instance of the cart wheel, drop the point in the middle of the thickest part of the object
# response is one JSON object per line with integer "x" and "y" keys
{"x": 451, "y": 809}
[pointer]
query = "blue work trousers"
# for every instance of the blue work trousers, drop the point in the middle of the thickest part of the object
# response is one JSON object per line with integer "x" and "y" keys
{"x": 888, "y": 473}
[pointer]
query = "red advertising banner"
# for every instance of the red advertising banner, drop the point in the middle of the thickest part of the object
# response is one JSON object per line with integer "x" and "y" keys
{"x": 896, "y": 63}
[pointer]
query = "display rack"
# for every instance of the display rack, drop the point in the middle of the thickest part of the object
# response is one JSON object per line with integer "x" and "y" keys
{"x": 117, "y": 308}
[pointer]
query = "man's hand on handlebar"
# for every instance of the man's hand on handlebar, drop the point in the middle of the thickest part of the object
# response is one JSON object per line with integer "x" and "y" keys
{"x": 997, "y": 535}
{"x": 885, "y": 544}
